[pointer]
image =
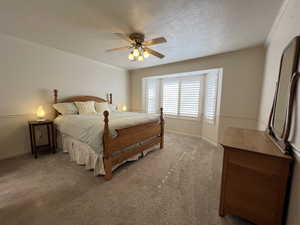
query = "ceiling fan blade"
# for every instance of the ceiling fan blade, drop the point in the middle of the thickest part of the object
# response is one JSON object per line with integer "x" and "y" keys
{"x": 124, "y": 37}
{"x": 155, "y": 41}
{"x": 116, "y": 49}
{"x": 155, "y": 53}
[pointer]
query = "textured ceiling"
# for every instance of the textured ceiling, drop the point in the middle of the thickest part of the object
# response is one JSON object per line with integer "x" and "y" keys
{"x": 193, "y": 28}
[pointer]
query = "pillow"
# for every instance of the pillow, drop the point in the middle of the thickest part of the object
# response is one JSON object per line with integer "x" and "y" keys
{"x": 101, "y": 107}
{"x": 65, "y": 108}
{"x": 86, "y": 107}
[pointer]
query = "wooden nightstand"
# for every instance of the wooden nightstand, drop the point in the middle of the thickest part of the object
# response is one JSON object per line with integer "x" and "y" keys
{"x": 51, "y": 135}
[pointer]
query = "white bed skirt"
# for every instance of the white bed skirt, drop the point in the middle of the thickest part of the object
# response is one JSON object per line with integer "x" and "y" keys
{"x": 83, "y": 154}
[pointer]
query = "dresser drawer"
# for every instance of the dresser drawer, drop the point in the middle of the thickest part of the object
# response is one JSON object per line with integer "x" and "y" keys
{"x": 262, "y": 164}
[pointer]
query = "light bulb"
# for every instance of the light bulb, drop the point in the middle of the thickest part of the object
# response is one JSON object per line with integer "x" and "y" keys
{"x": 124, "y": 108}
{"x": 140, "y": 58}
{"x": 131, "y": 56}
{"x": 40, "y": 113}
{"x": 146, "y": 54}
{"x": 136, "y": 52}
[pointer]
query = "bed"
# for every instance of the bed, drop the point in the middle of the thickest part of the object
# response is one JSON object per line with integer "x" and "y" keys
{"x": 112, "y": 138}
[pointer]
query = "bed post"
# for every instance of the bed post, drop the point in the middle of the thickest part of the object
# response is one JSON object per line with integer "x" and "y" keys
{"x": 55, "y": 101}
{"x": 162, "y": 128}
{"x": 55, "y": 96}
{"x": 110, "y": 98}
{"x": 106, "y": 151}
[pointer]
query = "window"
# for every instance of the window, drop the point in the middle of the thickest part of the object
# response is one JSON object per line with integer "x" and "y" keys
{"x": 151, "y": 96}
{"x": 170, "y": 97}
{"x": 189, "y": 97}
{"x": 183, "y": 96}
{"x": 211, "y": 95}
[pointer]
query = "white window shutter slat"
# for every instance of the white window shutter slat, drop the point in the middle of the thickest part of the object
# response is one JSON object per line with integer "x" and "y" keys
{"x": 211, "y": 95}
{"x": 170, "y": 89}
{"x": 189, "y": 97}
{"x": 151, "y": 96}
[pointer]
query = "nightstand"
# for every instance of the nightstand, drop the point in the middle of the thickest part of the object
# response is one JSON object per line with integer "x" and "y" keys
{"x": 51, "y": 136}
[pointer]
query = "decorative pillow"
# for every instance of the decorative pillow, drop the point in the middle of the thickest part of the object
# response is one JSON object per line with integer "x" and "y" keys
{"x": 65, "y": 108}
{"x": 101, "y": 107}
{"x": 86, "y": 107}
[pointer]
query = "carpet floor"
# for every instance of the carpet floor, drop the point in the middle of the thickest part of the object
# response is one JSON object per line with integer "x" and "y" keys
{"x": 179, "y": 185}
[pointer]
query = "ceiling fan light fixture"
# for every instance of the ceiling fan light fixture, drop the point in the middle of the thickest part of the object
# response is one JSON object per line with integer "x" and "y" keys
{"x": 146, "y": 54}
{"x": 139, "y": 47}
{"x": 136, "y": 52}
{"x": 131, "y": 56}
{"x": 140, "y": 58}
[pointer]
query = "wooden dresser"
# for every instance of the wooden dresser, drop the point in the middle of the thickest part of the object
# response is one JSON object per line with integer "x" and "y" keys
{"x": 255, "y": 177}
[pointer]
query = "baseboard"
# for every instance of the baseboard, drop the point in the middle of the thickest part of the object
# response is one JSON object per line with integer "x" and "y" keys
{"x": 210, "y": 141}
{"x": 196, "y": 136}
{"x": 15, "y": 156}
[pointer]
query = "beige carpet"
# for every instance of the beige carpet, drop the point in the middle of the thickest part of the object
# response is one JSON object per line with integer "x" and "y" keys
{"x": 178, "y": 185}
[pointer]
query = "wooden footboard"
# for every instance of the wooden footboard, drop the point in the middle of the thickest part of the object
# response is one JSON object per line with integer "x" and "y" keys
{"x": 145, "y": 135}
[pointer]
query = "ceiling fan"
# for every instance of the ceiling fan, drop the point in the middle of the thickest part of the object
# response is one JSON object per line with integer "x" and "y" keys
{"x": 139, "y": 47}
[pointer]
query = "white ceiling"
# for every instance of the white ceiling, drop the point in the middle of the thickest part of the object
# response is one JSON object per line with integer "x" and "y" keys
{"x": 193, "y": 28}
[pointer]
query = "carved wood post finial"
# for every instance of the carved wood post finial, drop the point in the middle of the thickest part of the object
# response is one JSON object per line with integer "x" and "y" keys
{"x": 162, "y": 128}
{"x": 55, "y": 96}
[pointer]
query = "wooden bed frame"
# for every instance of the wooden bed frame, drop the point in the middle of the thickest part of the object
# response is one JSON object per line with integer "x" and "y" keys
{"x": 125, "y": 137}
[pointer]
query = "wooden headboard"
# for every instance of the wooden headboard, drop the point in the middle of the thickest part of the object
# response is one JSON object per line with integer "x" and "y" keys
{"x": 82, "y": 98}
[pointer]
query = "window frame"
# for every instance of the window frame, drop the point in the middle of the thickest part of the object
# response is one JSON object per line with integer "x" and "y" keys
{"x": 202, "y": 94}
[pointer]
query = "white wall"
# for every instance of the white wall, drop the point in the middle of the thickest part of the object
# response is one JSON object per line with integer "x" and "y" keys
{"x": 284, "y": 30}
{"x": 28, "y": 74}
{"x": 242, "y": 76}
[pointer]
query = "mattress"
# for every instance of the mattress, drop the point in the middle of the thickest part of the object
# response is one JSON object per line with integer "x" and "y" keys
{"x": 88, "y": 129}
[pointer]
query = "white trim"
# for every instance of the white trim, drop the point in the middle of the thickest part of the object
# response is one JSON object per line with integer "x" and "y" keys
{"x": 237, "y": 117}
{"x": 182, "y": 74}
{"x": 196, "y": 119}
{"x": 275, "y": 25}
{"x": 195, "y": 136}
{"x": 16, "y": 115}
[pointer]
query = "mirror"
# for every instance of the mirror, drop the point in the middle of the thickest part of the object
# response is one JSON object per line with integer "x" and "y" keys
{"x": 280, "y": 118}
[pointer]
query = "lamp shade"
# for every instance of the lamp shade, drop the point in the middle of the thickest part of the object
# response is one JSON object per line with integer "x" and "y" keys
{"x": 136, "y": 52}
{"x": 40, "y": 113}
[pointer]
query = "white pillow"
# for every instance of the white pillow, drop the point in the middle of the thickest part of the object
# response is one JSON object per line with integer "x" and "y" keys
{"x": 65, "y": 108}
{"x": 86, "y": 107}
{"x": 101, "y": 107}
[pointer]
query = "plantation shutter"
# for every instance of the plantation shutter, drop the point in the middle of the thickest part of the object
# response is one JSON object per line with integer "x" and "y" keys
{"x": 189, "y": 97}
{"x": 151, "y": 96}
{"x": 170, "y": 89}
{"x": 185, "y": 96}
{"x": 211, "y": 94}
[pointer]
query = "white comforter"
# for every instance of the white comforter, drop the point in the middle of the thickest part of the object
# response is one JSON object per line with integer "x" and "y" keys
{"x": 89, "y": 128}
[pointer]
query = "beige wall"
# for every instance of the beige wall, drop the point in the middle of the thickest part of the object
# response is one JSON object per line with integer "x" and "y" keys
{"x": 285, "y": 28}
{"x": 28, "y": 74}
{"x": 242, "y": 74}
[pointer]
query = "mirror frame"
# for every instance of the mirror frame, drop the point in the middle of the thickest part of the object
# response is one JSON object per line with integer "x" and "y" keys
{"x": 282, "y": 139}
